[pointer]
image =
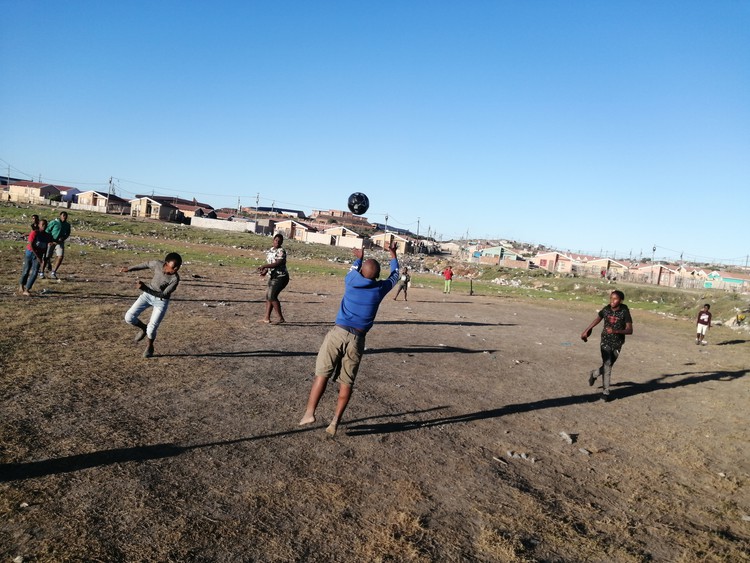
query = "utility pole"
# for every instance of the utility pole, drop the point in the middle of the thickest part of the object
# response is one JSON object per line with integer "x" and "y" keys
{"x": 257, "y": 200}
{"x": 386, "y": 222}
{"x": 653, "y": 254}
{"x": 238, "y": 205}
{"x": 419, "y": 246}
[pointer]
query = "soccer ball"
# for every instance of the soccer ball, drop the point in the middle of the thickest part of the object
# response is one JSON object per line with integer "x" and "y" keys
{"x": 358, "y": 203}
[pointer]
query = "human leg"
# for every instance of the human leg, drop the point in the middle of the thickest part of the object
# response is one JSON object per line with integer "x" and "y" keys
{"x": 345, "y": 393}
{"x": 609, "y": 357}
{"x": 59, "y": 253}
{"x": 34, "y": 271}
{"x": 398, "y": 291}
{"x": 279, "y": 286}
{"x": 149, "y": 351}
{"x": 275, "y": 286}
{"x": 276, "y": 306}
{"x": 140, "y": 305}
{"x": 28, "y": 258}
{"x": 316, "y": 392}
{"x": 46, "y": 264}
{"x": 159, "y": 309}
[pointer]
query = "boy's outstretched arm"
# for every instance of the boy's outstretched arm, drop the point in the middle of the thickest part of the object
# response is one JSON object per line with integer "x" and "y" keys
{"x": 587, "y": 332}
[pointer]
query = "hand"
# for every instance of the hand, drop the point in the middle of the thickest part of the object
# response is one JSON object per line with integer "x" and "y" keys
{"x": 585, "y": 335}
{"x": 140, "y": 285}
{"x": 392, "y": 249}
{"x": 123, "y": 270}
{"x": 358, "y": 253}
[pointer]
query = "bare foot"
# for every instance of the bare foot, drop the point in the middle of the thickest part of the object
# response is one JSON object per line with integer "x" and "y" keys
{"x": 307, "y": 419}
{"x": 280, "y": 321}
{"x": 267, "y": 321}
{"x": 332, "y": 428}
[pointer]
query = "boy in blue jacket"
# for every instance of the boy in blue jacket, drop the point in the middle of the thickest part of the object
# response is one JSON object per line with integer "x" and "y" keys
{"x": 341, "y": 352}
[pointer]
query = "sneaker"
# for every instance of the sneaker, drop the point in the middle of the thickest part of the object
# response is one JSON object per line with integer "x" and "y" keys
{"x": 605, "y": 398}
{"x": 53, "y": 275}
{"x": 592, "y": 377}
{"x": 149, "y": 352}
{"x": 41, "y": 275}
{"x": 140, "y": 336}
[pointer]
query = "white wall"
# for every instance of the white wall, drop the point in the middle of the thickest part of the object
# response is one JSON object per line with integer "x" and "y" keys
{"x": 319, "y": 238}
{"x": 236, "y": 226}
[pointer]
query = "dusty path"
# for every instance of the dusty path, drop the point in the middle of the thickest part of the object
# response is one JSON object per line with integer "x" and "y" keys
{"x": 196, "y": 453}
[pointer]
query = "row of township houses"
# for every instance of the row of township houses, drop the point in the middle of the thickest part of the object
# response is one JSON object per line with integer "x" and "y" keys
{"x": 22, "y": 191}
{"x": 330, "y": 227}
{"x": 319, "y": 228}
{"x": 672, "y": 275}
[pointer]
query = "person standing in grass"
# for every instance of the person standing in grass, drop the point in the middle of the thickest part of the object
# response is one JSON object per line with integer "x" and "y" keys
{"x": 403, "y": 283}
{"x": 617, "y": 323}
{"x": 156, "y": 294}
{"x": 278, "y": 278}
{"x": 341, "y": 352}
{"x": 33, "y": 256}
{"x": 704, "y": 323}
{"x": 59, "y": 230}
{"x": 448, "y": 277}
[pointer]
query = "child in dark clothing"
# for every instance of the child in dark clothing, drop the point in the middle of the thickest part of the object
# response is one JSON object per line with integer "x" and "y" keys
{"x": 704, "y": 323}
{"x": 617, "y": 323}
{"x": 341, "y": 353}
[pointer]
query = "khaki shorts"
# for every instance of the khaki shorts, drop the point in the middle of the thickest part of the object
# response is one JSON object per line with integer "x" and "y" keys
{"x": 339, "y": 356}
{"x": 702, "y": 329}
{"x": 58, "y": 249}
{"x": 275, "y": 285}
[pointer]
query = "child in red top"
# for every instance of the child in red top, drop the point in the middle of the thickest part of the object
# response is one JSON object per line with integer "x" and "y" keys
{"x": 448, "y": 276}
{"x": 36, "y": 247}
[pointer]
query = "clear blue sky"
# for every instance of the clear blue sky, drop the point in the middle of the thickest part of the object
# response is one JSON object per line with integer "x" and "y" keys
{"x": 583, "y": 125}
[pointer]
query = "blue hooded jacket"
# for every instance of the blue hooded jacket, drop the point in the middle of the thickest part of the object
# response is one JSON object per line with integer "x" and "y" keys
{"x": 362, "y": 297}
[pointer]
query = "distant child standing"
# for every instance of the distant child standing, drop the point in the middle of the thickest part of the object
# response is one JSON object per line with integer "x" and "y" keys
{"x": 704, "y": 323}
{"x": 403, "y": 283}
{"x": 33, "y": 256}
{"x": 448, "y": 277}
{"x": 617, "y": 323}
{"x": 341, "y": 352}
{"x": 156, "y": 294}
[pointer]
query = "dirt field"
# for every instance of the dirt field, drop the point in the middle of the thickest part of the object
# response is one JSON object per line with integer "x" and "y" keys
{"x": 451, "y": 449}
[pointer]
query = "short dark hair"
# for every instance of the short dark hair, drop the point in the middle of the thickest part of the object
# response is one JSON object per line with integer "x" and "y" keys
{"x": 707, "y": 306}
{"x": 175, "y": 258}
{"x": 619, "y": 294}
{"x": 279, "y": 236}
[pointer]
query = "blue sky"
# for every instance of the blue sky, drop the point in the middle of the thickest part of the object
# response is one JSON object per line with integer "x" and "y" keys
{"x": 586, "y": 126}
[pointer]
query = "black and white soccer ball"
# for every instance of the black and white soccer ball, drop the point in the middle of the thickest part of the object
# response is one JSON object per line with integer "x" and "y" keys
{"x": 358, "y": 203}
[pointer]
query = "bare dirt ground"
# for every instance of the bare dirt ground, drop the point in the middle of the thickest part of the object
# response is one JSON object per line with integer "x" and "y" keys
{"x": 196, "y": 455}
